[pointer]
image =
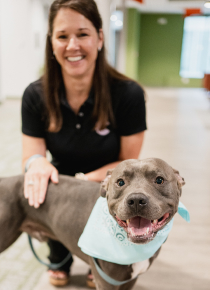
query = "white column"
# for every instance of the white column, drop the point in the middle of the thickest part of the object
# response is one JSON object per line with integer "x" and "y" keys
{"x": 22, "y": 42}
{"x": 1, "y": 26}
{"x": 104, "y": 9}
{"x": 121, "y": 55}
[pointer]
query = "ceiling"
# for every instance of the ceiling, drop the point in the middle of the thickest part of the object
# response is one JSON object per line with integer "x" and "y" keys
{"x": 167, "y": 6}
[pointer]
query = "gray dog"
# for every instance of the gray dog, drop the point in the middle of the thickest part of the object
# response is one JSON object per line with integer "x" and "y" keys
{"x": 142, "y": 198}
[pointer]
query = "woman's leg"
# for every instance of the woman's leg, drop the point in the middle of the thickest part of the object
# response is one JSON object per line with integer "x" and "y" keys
{"x": 58, "y": 253}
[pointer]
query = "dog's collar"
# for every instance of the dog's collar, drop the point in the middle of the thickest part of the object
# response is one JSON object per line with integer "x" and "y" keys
{"x": 104, "y": 239}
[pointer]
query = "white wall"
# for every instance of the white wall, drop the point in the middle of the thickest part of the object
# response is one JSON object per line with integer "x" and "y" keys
{"x": 0, "y": 51}
{"x": 104, "y": 9}
{"x": 23, "y": 27}
{"x": 22, "y": 39}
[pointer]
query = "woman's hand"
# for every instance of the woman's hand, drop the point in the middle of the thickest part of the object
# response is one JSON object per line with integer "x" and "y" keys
{"x": 36, "y": 180}
{"x": 40, "y": 170}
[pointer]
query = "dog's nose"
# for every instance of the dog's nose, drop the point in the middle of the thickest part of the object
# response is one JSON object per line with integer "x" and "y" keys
{"x": 137, "y": 200}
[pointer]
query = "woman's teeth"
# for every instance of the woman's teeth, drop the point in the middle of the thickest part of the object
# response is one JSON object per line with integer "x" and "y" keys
{"x": 73, "y": 59}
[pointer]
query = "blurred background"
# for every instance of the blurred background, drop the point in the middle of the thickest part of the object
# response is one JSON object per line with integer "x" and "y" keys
{"x": 164, "y": 43}
{"x": 165, "y": 46}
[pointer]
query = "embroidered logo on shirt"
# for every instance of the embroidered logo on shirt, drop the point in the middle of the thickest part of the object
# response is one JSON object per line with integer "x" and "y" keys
{"x": 103, "y": 132}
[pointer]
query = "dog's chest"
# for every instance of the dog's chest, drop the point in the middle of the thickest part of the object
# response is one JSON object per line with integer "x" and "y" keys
{"x": 140, "y": 268}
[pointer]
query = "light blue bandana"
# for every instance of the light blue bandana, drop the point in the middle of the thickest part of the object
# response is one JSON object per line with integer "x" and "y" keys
{"x": 104, "y": 239}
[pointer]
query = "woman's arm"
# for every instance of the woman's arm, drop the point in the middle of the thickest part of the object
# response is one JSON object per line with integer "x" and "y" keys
{"x": 130, "y": 147}
{"x": 32, "y": 146}
{"x": 39, "y": 172}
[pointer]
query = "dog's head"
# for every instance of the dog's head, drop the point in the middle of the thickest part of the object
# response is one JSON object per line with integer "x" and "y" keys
{"x": 142, "y": 196}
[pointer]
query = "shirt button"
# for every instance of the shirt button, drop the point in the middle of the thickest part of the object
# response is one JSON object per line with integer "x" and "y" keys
{"x": 81, "y": 114}
{"x": 78, "y": 126}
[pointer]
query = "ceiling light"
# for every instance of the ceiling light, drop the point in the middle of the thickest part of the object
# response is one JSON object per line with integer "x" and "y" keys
{"x": 162, "y": 21}
{"x": 116, "y": 22}
{"x": 113, "y": 18}
{"x": 119, "y": 23}
{"x": 207, "y": 4}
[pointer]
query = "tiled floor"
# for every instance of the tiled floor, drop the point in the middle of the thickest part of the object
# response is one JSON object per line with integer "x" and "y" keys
{"x": 179, "y": 133}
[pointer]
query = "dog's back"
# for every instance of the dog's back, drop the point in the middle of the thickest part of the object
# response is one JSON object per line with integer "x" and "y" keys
{"x": 11, "y": 216}
{"x": 62, "y": 216}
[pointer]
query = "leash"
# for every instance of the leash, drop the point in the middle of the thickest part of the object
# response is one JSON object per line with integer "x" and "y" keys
{"x": 52, "y": 266}
{"x": 109, "y": 279}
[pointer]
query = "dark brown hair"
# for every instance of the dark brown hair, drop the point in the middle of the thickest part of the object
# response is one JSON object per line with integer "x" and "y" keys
{"x": 52, "y": 78}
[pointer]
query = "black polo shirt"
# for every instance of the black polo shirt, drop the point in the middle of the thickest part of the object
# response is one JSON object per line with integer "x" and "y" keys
{"x": 77, "y": 147}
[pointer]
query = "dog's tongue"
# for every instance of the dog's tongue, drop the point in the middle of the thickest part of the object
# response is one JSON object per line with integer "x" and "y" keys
{"x": 139, "y": 226}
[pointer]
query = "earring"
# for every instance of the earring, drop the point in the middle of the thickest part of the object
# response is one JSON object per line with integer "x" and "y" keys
{"x": 53, "y": 57}
{"x": 99, "y": 48}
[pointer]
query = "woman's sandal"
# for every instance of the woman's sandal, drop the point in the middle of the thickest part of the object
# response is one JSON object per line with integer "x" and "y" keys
{"x": 90, "y": 282}
{"x": 58, "y": 278}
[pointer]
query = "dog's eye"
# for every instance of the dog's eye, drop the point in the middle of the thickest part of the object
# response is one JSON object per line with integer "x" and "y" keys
{"x": 159, "y": 180}
{"x": 120, "y": 182}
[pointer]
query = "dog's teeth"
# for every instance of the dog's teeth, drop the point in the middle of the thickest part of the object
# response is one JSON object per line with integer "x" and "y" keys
{"x": 155, "y": 222}
{"x": 127, "y": 221}
{"x": 147, "y": 231}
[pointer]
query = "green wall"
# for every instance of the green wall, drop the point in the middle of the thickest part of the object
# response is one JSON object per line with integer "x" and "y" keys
{"x": 133, "y": 43}
{"x": 159, "y": 50}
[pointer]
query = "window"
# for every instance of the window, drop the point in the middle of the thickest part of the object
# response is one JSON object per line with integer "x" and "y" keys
{"x": 195, "y": 59}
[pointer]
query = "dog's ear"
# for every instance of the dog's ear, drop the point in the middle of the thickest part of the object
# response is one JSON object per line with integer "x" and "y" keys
{"x": 105, "y": 182}
{"x": 180, "y": 180}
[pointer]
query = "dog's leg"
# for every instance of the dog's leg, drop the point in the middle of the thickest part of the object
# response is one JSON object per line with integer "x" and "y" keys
{"x": 121, "y": 273}
{"x": 100, "y": 283}
{"x": 151, "y": 260}
{"x": 118, "y": 272}
{"x": 9, "y": 226}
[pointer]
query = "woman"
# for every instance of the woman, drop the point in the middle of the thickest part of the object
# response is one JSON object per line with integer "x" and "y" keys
{"x": 89, "y": 116}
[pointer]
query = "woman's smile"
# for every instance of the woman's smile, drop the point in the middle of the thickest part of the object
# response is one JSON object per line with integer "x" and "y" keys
{"x": 75, "y": 58}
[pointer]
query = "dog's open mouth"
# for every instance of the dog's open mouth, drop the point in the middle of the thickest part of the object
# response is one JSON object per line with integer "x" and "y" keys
{"x": 140, "y": 229}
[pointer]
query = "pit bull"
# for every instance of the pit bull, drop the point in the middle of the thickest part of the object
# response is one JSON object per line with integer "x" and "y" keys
{"x": 142, "y": 198}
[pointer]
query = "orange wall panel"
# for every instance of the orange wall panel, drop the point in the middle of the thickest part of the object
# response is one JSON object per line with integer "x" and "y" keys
{"x": 195, "y": 11}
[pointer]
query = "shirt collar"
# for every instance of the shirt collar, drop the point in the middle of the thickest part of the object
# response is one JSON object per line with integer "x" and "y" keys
{"x": 63, "y": 100}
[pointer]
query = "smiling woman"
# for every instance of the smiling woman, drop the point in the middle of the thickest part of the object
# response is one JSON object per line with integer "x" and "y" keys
{"x": 75, "y": 43}
{"x": 88, "y": 115}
